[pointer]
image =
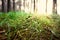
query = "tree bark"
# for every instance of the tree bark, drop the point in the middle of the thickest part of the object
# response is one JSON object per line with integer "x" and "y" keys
{"x": 34, "y": 5}
{"x": 20, "y": 5}
{"x": 14, "y": 5}
{"x": 4, "y": 5}
{"x": 24, "y": 3}
{"x": 10, "y": 5}
{"x": 54, "y": 6}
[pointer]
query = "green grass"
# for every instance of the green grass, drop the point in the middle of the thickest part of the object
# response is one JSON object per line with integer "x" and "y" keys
{"x": 26, "y": 26}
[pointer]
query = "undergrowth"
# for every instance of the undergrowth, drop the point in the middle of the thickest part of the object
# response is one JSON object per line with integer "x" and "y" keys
{"x": 26, "y": 26}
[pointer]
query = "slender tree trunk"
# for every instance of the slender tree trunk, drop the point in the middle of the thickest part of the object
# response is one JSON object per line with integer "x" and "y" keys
{"x": 10, "y": 5}
{"x": 20, "y": 5}
{"x": 46, "y": 5}
{"x": 24, "y": 3}
{"x": 4, "y": 5}
{"x": 34, "y": 5}
{"x": 14, "y": 5}
{"x": 54, "y": 6}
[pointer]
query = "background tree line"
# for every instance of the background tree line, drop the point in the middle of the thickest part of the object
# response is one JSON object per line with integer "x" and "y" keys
{"x": 8, "y": 5}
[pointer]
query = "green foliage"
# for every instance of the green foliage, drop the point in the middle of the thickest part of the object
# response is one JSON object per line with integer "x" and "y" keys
{"x": 56, "y": 26}
{"x": 26, "y": 26}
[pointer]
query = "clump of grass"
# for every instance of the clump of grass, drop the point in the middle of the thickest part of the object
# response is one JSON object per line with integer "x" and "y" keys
{"x": 56, "y": 27}
{"x": 21, "y": 24}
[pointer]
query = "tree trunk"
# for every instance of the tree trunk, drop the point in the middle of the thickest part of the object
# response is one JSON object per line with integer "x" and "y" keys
{"x": 20, "y": 5}
{"x": 14, "y": 5}
{"x": 24, "y": 3}
{"x": 10, "y": 5}
{"x": 34, "y": 5}
{"x": 4, "y": 5}
{"x": 54, "y": 6}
